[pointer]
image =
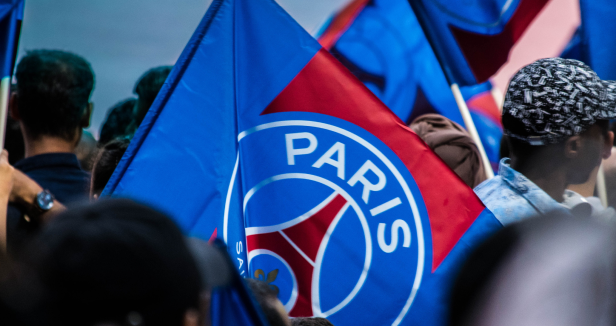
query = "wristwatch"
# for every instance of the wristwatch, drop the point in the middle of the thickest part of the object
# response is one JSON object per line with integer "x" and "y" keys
{"x": 44, "y": 200}
{"x": 42, "y": 203}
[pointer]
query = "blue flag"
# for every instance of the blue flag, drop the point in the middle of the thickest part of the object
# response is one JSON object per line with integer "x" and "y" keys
{"x": 11, "y": 16}
{"x": 263, "y": 139}
{"x": 382, "y": 44}
{"x": 597, "y": 36}
{"x": 573, "y": 50}
{"x": 472, "y": 39}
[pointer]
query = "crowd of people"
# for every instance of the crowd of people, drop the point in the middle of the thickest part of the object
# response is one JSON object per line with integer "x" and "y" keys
{"x": 69, "y": 258}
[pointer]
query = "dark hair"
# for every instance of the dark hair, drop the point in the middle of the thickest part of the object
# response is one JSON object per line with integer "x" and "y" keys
{"x": 147, "y": 89}
{"x": 310, "y": 321}
{"x": 114, "y": 261}
{"x": 118, "y": 119}
{"x": 106, "y": 161}
{"x": 266, "y": 296}
{"x": 53, "y": 90}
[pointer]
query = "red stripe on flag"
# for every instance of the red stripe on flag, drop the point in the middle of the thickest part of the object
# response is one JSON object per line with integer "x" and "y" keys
{"x": 485, "y": 104}
{"x": 275, "y": 242}
{"x": 341, "y": 23}
{"x": 325, "y": 86}
{"x": 213, "y": 236}
{"x": 485, "y": 54}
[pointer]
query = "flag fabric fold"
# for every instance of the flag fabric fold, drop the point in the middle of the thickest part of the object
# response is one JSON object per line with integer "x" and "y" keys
{"x": 596, "y": 42}
{"x": 11, "y": 16}
{"x": 262, "y": 138}
{"x": 383, "y": 45}
{"x": 472, "y": 39}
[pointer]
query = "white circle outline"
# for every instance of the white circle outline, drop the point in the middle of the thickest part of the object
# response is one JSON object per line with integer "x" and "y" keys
{"x": 317, "y": 267}
{"x": 384, "y": 159}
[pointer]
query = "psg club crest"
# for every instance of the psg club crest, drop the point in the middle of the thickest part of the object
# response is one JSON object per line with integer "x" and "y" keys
{"x": 331, "y": 217}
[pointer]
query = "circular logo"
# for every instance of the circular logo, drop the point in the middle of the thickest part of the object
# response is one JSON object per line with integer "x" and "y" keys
{"x": 331, "y": 223}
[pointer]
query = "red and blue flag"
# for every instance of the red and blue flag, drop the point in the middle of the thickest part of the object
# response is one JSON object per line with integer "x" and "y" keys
{"x": 11, "y": 16}
{"x": 261, "y": 137}
{"x": 472, "y": 39}
{"x": 383, "y": 45}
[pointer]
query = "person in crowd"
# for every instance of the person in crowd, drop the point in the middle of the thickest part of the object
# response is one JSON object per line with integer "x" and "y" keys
{"x": 17, "y": 293}
{"x": 17, "y": 187}
{"x": 555, "y": 116}
{"x": 52, "y": 105}
{"x": 115, "y": 262}
{"x": 147, "y": 89}
{"x": 581, "y": 200}
{"x": 549, "y": 270}
{"x": 310, "y": 321}
{"x": 86, "y": 150}
{"x": 583, "y": 196}
{"x": 268, "y": 300}
{"x": 118, "y": 119}
{"x": 453, "y": 145}
{"x": 105, "y": 163}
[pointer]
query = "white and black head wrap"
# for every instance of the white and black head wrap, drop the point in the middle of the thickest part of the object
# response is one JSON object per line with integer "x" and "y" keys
{"x": 553, "y": 99}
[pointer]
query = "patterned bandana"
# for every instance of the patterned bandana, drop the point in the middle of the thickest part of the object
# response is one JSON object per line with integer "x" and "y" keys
{"x": 553, "y": 99}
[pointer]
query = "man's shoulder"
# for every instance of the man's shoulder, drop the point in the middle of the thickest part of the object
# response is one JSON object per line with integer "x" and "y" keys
{"x": 493, "y": 189}
{"x": 59, "y": 173}
{"x": 507, "y": 204}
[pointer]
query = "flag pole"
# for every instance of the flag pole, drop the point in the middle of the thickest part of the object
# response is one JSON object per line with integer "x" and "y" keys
{"x": 5, "y": 89}
{"x": 601, "y": 187}
{"x": 470, "y": 126}
{"x": 14, "y": 32}
{"x": 455, "y": 89}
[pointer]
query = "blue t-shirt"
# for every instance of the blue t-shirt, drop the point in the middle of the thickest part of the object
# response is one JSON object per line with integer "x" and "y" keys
{"x": 61, "y": 174}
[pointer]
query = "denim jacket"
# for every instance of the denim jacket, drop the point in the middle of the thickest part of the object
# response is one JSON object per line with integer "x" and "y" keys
{"x": 511, "y": 197}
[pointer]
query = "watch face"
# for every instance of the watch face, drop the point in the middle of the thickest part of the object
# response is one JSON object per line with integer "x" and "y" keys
{"x": 45, "y": 200}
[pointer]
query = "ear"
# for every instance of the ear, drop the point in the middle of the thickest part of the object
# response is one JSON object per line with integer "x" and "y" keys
{"x": 87, "y": 115}
{"x": 573, "y": 145}
{"x": 607, "y": 145}
{"x": 14, "y": 107}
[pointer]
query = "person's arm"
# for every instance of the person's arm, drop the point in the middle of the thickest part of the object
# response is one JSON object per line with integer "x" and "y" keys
{"x": 24, "y": 194}
{"x": 6, "y": 184}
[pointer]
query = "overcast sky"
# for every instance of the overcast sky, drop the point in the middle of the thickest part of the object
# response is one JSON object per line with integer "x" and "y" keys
{"x": 124, "y": 38}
